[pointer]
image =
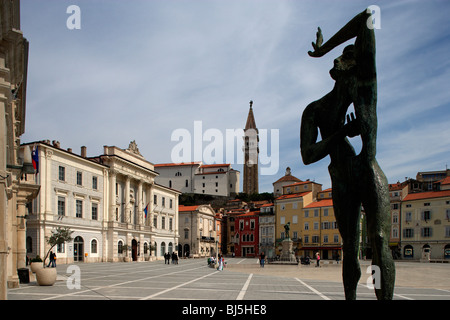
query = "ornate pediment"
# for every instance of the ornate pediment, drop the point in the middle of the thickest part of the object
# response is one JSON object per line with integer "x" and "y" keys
{"x": 133, "y": 148}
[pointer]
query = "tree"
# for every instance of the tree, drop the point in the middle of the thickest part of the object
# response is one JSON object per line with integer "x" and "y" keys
{"x": 59, "y": 236}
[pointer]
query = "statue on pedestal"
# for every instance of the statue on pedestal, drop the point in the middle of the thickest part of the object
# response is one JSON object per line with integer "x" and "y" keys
{"x": 356, "y": 179}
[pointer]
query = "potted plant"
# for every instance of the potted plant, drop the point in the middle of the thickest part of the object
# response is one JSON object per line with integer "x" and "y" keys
{"x": 47, "y": 276}
{"x": 36, "y": 264}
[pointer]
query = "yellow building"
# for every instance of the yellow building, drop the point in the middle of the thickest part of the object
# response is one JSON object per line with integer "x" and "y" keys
{"x": 288, "y": 209}
{"x": 319, "y": 229}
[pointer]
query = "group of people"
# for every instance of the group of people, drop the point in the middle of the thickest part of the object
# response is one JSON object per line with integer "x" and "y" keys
{"x": 52, "y": 260}
{"x": 168, "y": 257}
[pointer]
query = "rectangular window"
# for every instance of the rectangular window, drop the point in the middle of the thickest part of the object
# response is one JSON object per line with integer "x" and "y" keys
{"x": 426, "y": 215}
{"x": 336, "y": 238}
{"x": 170, "y": 223}
{"x": 155, "y": 222}
{"x": 163, "y": 222}
{"x": 79, "y": 178}
{"x": 62, "y": 174}
{"x": 94, "y": 183}
{"x": 171, "y": 204}
{"x": 325, "y": 238}
{"x": 295, "y": 219}
{"x": 163, "y": 202}
{"x": 94, "y": 211}
{"x": 186, "y": 234}
{"x": 426, "y": 232}
{"x": 408, "y": 216}
{"x": 408, "y": 233}
{"x": 306, "y": 239}
{"x": 306, "y": 226}
{"x": 315, "y": 239}
{"x": 155, "y": 199}
{"x": 61, "y": 206}
{"x": 79, "y": 209}
{"x": 306, "y": 213}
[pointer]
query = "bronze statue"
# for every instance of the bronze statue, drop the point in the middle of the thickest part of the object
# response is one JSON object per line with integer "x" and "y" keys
{"x": 287, "y": 226}
{"x": 356, "y": 179}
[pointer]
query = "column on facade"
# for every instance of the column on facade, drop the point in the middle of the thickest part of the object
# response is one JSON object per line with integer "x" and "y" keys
{"x": 127, "y": 215}
{"x": 139, "y": 199}
{"x": 5, "y": 92}
{"x": 112, "y": 196}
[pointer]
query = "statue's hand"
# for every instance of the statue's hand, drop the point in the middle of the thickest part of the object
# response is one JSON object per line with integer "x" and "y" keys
{"x": 352, "y": 127}
{"x": 317, "y": 45}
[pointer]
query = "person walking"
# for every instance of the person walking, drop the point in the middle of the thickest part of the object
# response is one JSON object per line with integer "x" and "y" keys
{"x": 262, "y": 259}
{"x": 318, "y": 259}
{"x": 50, "y": 260}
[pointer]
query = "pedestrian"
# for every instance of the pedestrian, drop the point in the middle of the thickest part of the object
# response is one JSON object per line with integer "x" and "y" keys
{"x": 167, "y": 258}
{"x": 317, "y": 259}
{"x": 54, "y": 261}
{"x": 220, "y": 267}
{"x": 261, "y": 259}
{"x": 50, "y": 259}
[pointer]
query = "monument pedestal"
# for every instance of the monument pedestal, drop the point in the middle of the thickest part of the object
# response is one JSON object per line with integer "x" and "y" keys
{"x": 287, "y": 254}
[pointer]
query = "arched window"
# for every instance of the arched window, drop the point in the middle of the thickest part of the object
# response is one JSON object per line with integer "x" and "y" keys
{"x": 94, "y": 246}
{"x": 178, "y": 174}
{"x": 170, "y": 247}
{"x": 163, "y": 248}
{"x": 120, "y": 247}
{"x": 145, "y": 247}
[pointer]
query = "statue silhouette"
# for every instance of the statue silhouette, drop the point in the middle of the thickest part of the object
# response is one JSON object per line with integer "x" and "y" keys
{"x": 356, "y": 179}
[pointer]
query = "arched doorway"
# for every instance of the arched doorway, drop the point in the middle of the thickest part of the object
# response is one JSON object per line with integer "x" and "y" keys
{"x": 78, "y": 249}
{"x": 447, "y": 251}
{"x": 186, "y": 251}
{"x": 408, "y": 252}
{"x": 134, "y": 249}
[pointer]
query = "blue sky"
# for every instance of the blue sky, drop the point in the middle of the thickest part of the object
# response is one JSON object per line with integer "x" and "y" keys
{"x": 138, "y": 70}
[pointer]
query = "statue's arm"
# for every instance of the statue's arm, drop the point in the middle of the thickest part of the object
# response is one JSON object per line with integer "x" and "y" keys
{"x": 351, "y": 30}
{"x": 313, "y": 150}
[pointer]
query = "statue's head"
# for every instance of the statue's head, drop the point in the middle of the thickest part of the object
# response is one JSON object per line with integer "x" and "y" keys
{"x": 344, "y": 66}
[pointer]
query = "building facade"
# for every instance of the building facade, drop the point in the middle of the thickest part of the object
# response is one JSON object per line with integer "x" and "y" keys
{"x": 267, "y": 230}
{"x": 247, "y": 234}
{"x": 111, "y": 203}
{"x": 198, "y": 178}
{"x": 320, "y": 231}
{"x": 426, "y": 225}
{"x": 17, "y": 187}
{"x": 287, "y": 179}
{"x": 198, "y": 231}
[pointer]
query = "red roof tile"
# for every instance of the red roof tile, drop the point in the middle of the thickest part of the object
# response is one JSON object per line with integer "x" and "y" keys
{"x": 320, "y": 203}
{"x": 182, "y": 208}
{"x": 293, "y": 195}
{"x": 427, "y": 195}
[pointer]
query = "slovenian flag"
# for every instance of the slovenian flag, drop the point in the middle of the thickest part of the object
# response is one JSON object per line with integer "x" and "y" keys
{"x": 35, "y": 159}
{"x": 145, "y": 211}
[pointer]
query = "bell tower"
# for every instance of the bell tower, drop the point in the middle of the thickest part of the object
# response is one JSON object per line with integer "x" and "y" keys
{"x": 251, "y": 154}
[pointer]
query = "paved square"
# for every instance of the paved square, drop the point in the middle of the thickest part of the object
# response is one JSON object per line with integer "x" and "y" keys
{"x": 242, "y": 279}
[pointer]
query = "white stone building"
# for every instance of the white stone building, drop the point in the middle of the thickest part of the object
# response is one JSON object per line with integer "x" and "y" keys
{"x": 110, "y": 202}
{"x": 196, "y": 177}
{"x": 198, "y": 236}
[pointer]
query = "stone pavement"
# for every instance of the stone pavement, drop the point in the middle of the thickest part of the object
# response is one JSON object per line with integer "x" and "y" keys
{"x": 242, "y": 279}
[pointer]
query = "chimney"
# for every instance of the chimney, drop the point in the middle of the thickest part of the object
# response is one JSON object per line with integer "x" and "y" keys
{"x": 83, "y": 151}
{"x": 69, "y": 149}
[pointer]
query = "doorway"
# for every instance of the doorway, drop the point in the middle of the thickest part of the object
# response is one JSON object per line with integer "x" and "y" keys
{"x": 78, "y": 249}
{"x": 134, "y": 250}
